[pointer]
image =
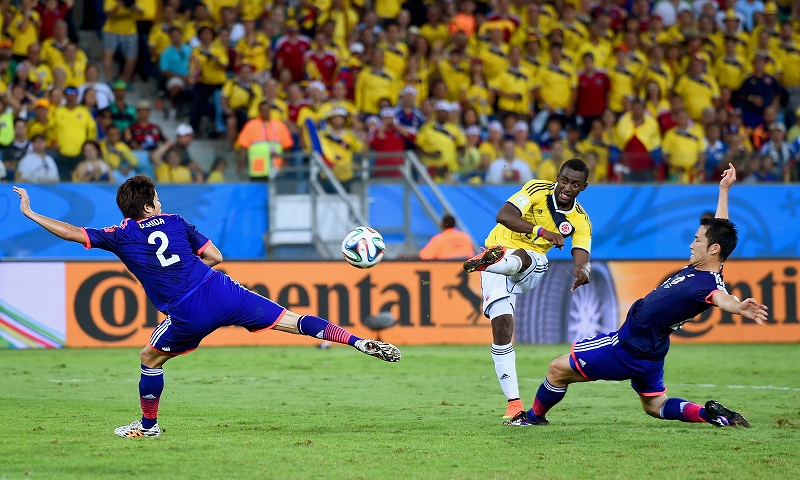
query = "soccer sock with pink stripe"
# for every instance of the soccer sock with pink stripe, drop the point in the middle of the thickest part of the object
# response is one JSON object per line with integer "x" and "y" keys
{"x": 151, "y": 384}
{"x": 683, "y": 410}
{"x": 546, "y": 398}
{"x": 325, "y": 330}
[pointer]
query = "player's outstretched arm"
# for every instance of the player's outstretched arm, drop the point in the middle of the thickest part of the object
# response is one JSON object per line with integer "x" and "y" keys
{"x": 60, "y": 229}
{"x": 728, "y": 179}
{"x": 748, "y": 308}
{"x": 583, "y": 269}
{"x": 211, "y": 256}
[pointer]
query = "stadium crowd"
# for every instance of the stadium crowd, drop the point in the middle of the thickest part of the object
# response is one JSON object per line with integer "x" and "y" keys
{"x": 497, "y": 92}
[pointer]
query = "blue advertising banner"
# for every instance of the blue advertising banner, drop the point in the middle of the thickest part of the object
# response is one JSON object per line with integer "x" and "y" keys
{"x": 234, "y": 217}
{"x": 629, "y": 222}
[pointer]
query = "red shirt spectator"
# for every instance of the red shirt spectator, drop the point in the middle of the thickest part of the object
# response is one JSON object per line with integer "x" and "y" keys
{"x": 325, "y": 62}
{"x": 593, "y": 87}
{"x": 390, "y": 137}
{"x": 50, "y": 11}
{"x": 143, "y": 134}
{"x": 289, "y": 53}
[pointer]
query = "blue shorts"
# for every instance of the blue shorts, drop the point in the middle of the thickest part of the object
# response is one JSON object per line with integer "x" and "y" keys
{"x": 218, "y": 302}
{"x": 601, "y": 358}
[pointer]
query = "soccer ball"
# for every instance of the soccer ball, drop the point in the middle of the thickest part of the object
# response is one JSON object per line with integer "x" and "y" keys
{"x": 363, "y": 247}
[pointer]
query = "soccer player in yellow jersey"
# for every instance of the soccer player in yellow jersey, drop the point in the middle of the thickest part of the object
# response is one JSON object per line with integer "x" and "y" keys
{"x": 541, "y": 215}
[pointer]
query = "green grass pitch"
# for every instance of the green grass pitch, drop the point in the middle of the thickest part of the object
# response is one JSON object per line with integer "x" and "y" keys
{"x": 308, "y": 413}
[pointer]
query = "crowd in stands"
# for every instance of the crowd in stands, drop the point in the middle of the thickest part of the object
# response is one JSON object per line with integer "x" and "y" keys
{"x": 492, "y": 92}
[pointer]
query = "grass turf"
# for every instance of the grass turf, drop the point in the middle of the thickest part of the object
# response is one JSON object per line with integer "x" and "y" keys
{"x": 309, "y": 413}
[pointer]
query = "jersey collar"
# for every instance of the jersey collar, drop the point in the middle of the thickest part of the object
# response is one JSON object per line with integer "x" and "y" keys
{"x": 574, "y": 202}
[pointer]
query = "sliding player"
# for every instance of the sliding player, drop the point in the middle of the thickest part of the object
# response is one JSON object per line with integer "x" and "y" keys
{"x": 533, "y": 220}
{"x": 636, "y": 352}
{"x": 173, "y": 262}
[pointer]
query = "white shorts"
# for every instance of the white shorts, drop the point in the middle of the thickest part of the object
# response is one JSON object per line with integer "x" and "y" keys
{"x": 496, "y": 287}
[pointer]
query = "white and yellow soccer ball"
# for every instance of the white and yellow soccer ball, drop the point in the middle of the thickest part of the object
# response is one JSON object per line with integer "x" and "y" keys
{"x": 363, "y": 247}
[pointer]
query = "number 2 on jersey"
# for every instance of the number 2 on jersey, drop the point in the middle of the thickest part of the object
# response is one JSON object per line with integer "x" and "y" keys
{"x": 165, "y": 261}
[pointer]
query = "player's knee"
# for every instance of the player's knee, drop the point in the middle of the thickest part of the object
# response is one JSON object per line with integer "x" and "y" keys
{"x": 502, "y": 329}
{"x": 556, "y": 373}
{"x": 526, "y": 259}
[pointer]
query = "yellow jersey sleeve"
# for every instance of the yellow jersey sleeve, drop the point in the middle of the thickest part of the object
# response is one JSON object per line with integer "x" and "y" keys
{"x": 582, "y": 237}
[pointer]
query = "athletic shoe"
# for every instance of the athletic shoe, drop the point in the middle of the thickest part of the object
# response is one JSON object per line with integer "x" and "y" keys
{"x": 514, "y": 407}
{"x": 521, "y": 420}
{"x": 720, "y": 416}
{"x": 480, "y": 261}
{"x": 135, "y": 430}
{"x": 375, "y": 348}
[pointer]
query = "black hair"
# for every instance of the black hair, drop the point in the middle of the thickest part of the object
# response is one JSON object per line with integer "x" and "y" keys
{"x": 448, "y": 221}
{"x": 722, "y": 232}
{"x": 576, "y": 165}
{"x": 390, "y": 22}
{"x": 134, "y": 194}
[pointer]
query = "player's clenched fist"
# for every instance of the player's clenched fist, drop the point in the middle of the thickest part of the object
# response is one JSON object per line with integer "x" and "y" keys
{"x": 555, "y": 238}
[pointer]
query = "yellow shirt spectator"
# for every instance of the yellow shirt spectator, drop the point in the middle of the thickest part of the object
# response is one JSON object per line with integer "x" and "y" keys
{"x": 730, "y": 72}
{"x": 556, "y": 84}
{"x": 338, "y": 148}
{"x": 208, "y": 70}
{"x": 477, "y": 96}
{"x": 514, "y": 87}
{"x": 791, "y": 65}
{"x": 242, "y": 96}
{"x": 660, "y": 74}
{"x": 774, "y": 66}
{"x": 158, "y": 39}
{"x": 122, "y": 21}
{"x": 24, "y": 32}
{"x": 215, "y": 8}
{"x": 455, "y": 77}
{"x": 387, "y": 8}
{"x": 312, "y": 112}
{"x": 344, "y": 22}
{"x": 698, "y": 93}
{"x": 72, "y": 127}
{"x": 52, "y": 52}
{"x": 601, "y": 51}
{"x": 529, "y": 153}
{"x": 257, "y": 53}
{"x": 373, "y": 85}
{"x": 601, "y": 148}
{"x": 75, "y": 71}
{"x": 253, "y": 9}
{"x": 682, "y": 151}
{"x": 495, "y": 60}
{"x": 623, "y": 83}
{"x": 167, "y": 174}
{"x": 575, "y": 35}
{"x": 117, "y": 153}
{"x": 445, "y": 139}
{"x": 433, "y": 34}
{"x": 394, "y": 58}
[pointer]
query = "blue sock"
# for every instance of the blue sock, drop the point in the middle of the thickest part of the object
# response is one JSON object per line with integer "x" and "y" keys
{"x": 325, "y": 330}
{"x": 683, "y": 410}
{"x": 151, "y": 385}
{"x": 546, "y": 398}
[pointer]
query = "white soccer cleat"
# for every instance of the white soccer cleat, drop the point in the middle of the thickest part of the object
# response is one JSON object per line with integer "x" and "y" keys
{"x": 135, "y": 430}
{"x": 375, "y": 348}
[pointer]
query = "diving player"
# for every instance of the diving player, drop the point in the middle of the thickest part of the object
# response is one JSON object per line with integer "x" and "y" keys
{"x": 533, "y": 220}
{"x": 636, "y": 351}
{"x": 173, "y": 261}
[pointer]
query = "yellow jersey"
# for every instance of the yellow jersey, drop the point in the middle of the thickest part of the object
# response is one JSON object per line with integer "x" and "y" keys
{"x": 432, "y": 34}
{"x": 23, "y": 40}
{"x": 660, "y": 74}
{"x": 205, "y": 69}
{"x": 387, "y": 8}
{"x": 158, "y": 39}
{"x": 623, "y": 83}
{"x": 514, "y": 81}
{"x": 601, "y": 148}
{"x": 477, "y": 97}
{"x": 697, "y": 93}
{"x": 730, "y": 72}
{"x": 117, "y": 153}
{"x": 72, "y": 127}
{"x": 242, "y": 96}
{"x": 529, "y": 153}
{"x": 791, "y": 65}
{"x": 445, "y": 139}
{"x": 574, "y": 35}
{"x": 456, "y": 78}
{"x": 601, "y": 52}
{"x": 372, "y": 86}
{"x": 256, "y": 54}
{"x": 683, "y": 148}
{"x": 166, "y": 174}
{"x": 394, "y": 58}
{"x": 339, "y": 151}
{"x": 75, "y": 72}
{"x": 495, "y": 60}
{"x": 123, "y": 22}
{"x": 556, "y": 83}
{"x": 532, "y": 202}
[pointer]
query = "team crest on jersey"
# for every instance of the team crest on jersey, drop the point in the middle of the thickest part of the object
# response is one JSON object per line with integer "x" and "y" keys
{"x": 565, "y": 228}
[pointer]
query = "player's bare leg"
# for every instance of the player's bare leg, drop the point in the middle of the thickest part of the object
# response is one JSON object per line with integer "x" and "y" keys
{"x": 151, "y": 384}
{"x": 317, "y": 327}
{"x": 551, "y": 391}
{"x": 679, "y": 409}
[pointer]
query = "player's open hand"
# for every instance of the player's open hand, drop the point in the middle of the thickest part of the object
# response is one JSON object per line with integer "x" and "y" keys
{"x": 728, "y": 177}
{"x": 582, "y": 273}
{"x": 753, "y": 310}
{"x": 24, "y": 200}
{"x": 555, "y": 238}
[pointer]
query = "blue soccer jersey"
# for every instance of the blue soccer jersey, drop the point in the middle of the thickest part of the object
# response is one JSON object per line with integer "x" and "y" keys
{"x": 650, "y": 321}
{"x": 161, "y": 251}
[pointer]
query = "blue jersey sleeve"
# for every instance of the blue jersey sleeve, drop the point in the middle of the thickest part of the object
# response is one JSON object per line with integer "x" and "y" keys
{"x": 197, "y": 240}
{"x": 105, "y": 239}
{"x": 707, "y": 286}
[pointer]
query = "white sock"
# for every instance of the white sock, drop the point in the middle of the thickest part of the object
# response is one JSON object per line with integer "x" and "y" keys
{"x": 505, "y": 365}
{"x": 508, "y": 265}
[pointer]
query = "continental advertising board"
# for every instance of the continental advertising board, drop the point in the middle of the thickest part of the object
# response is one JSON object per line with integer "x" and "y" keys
{"x": 99, "y": 304}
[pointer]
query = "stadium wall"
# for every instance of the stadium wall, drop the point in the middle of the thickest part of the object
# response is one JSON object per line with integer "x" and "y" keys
{"x": 99, "y": 304}
{"x": 629, "y": 222}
